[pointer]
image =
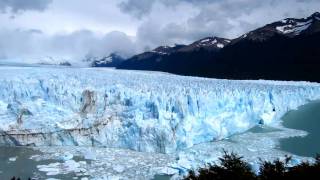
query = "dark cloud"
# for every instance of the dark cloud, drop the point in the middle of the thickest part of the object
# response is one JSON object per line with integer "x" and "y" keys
{"x": 16, "y": 6}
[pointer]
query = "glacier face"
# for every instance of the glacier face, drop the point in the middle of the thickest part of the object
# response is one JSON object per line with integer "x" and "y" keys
{"x": 143, "y": 111}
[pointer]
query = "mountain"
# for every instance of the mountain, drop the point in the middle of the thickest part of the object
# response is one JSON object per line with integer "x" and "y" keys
{"x": 157, "y": 53}
{"x": 289, "y": 27}
{"x": 284, "y": 50}
{"x": 55, "y": 61}
{"x": 166, "y": 50}
{"x": 166, "y": 58}
{"x": 112, "y": 60}
{"x": 209, "y": 43}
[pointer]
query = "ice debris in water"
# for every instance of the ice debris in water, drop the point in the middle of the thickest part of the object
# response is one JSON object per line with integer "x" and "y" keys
{"x": 69, "y": 166}
{"x": 112, "y": 163}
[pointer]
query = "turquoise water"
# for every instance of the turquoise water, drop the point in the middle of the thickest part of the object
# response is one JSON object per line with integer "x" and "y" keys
{"x": 264, "y": 129}
{"x": 306, "y": 118}
{"x": 162, "y": 177}
{"x": 24, "y": 167}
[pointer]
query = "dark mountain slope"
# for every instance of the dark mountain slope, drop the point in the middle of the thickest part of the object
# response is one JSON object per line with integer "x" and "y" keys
{"x": 173, "y": 59}
{"x": 280, "y": 58}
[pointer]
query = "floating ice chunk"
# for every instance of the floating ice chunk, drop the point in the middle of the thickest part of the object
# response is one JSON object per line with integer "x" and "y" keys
{"x": 51, "y": 171}
{"x": 71, "y": 165}
{"x": 165, "y": 171}
{"x": 12, "y": 159}
{"x": 66, "y": 167}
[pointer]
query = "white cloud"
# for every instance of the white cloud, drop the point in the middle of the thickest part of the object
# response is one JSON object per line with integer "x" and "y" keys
{"x": 33, "y": 44}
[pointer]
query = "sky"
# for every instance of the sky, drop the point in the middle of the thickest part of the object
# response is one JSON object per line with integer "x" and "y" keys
{"x": 74, "y": 29}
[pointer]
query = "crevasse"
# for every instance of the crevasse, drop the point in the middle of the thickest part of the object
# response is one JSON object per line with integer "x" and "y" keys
{"x": 143, "y": 111}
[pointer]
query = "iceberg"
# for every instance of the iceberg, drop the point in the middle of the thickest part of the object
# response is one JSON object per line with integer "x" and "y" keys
{"x": 142, "y": 111}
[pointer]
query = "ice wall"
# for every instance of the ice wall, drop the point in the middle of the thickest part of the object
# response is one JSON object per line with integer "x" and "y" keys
{"x": 144, "y": 111}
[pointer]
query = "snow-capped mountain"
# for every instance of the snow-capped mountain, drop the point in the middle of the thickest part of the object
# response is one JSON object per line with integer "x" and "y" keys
{"x": 166, "y": 50}
{"x": 152, "y": 57}
{"x": 153, "y": 60}
{"x": 284, "y": 50}
{"x": 109, "y": 61}
{"x": 294, "y": 27}
{"x": 50, "y": 60}
{"x": 289, "y": 27}
{"x": 209, "y": 43}
{"x": 163, "y": 50}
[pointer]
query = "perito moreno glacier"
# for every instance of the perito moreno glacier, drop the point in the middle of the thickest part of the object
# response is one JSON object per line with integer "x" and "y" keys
{"x": 143, "y": 111}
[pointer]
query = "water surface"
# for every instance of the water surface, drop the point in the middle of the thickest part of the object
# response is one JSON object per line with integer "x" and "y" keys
{"x": 16, "y": 161}
{"x": 306, "y": 118}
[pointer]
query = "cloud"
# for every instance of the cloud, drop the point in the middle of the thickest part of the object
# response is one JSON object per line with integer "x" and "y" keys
{"x": 141, "y": 8}
{"x": 227, "y": 18}
{"x": 75, "y": 28}
{"x": 137, "y": 8}
{"x": 16, "y": 6}
{"x": 31, "y": 45}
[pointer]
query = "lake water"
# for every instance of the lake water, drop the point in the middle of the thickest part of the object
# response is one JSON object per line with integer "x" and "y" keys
{"x": 16, "y": 161}
{"x": 306, "y": 118}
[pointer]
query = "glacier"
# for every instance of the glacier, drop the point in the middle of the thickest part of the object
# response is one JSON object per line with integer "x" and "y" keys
{"x": 137, "y": 110}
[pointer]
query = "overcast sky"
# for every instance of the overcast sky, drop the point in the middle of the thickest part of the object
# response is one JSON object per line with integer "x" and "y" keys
{"x": 75, "y": 28}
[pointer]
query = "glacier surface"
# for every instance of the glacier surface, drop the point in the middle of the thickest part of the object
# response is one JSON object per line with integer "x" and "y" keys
{"x": 142, "y": 111}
